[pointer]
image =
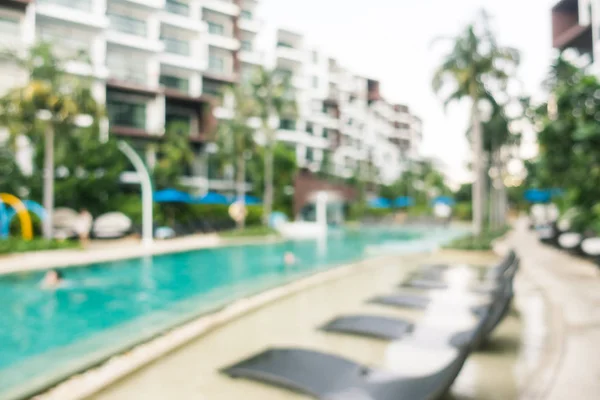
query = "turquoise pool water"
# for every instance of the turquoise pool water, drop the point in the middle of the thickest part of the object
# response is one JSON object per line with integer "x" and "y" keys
{"x": 46, "y": 335}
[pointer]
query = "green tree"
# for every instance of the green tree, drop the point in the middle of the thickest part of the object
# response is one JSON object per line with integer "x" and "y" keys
{"x": 275, "y": 99}
{"x": 285, "y": 163}
{"x": 474, "y": 67}
{"x": 174, "y": 156}
{"x": 235, "y": 137}
{"x": 569, "y": 142}
{"x": 53, "y": 95}
{"x": 88, "y": 171}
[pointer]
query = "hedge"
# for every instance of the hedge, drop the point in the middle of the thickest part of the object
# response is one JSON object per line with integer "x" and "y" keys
{"x": 17, "y": 245}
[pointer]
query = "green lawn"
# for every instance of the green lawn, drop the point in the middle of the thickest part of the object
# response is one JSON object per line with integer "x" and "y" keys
{"x": 251, "y": 231}
{"x": 482, "y": 242}
{"x": 14, "y": 245}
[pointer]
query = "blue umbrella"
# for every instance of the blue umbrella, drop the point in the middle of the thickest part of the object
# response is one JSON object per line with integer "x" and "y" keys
{"x": 172, "y": 196}
{"x": 248, "y": 200}
{"x": 380, "y": 202}
{"x": 406, "y": 201}
{"x": 213, "y": 198}
{"x": 538, "y": 195}
{"x": 449, "y": 201}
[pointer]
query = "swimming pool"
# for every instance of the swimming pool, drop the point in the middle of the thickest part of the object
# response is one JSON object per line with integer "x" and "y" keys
{"x": 46, "y": 335}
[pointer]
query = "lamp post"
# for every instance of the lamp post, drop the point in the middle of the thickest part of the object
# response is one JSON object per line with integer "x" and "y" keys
{"x": 146, "y": 182}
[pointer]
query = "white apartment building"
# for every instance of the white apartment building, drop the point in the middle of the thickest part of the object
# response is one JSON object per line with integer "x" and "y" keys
{"x": 341, "y": 116}
{"x": 153, "y": 62}
{"x": 576, "y": 25}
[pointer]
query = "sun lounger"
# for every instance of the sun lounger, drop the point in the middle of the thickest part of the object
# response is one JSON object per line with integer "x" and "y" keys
{"x": 330, "y": 377}
{"x": 369, "y": 325}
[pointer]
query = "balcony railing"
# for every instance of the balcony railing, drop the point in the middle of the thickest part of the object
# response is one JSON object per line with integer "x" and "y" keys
{"x": 83, "y": 5}
{"x": 128, "y": 75}
{"x": 9, "y": 27}
{"x": 176, "y": 46}
{"x": 129, "y": 25}
{"x": 66, "y": 47}
{"x": 177, "y": 7}
{"x": 174, "y": 82}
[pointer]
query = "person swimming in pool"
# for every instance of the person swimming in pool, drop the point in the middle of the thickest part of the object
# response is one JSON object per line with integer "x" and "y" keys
{"x": 52, "y": 280}
{"x": 289, "y": 259}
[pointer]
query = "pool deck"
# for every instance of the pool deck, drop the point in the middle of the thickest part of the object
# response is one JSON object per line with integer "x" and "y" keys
{"x": 106, "y": 251}
{"x": 571, "y": 289}
{"x": 551, "y": 352}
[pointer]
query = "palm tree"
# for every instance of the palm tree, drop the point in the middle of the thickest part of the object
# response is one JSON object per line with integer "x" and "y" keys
{"x": 50, "y": 94}
{"x": 475, "y": 67}
{"x": 275, "y": 99}
{"x": 236, "y": 136}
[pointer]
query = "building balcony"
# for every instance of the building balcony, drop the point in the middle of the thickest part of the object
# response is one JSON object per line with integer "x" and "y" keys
{"x": 567, "y": 29}
{"x": 130, "y": 80}
{"x": 79, "y": 12}
{"x": 226, "y": 7}
{"x": 289, "y": 53}
{"x": 223, "y": 42}
{"x": 10, "y": 33}
{"x": 129, "y": 32}
{"x": 251, "y": 57}
{"x": 302, "y": 138}
{"x": 178, "y": 14}
{"x": 147, "y": 4}
{"x": 178, "y": 53}
{"x": 16, "y": 4}
{"x": 249, "y": 25}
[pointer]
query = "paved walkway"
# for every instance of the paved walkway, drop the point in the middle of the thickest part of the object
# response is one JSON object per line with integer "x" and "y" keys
{"x": 105, "y": 251}
{"x": 571, "y": 287}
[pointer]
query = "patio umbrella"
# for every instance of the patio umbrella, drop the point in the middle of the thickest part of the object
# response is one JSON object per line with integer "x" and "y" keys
{"x": 402, "y": 202}
{"x": 538, "y": 195}
{"x": 380, "y": 202}
{"x": 213, "y": 198}
{"x": 248, "y": 200}
{"x": 172, "y": 196}
{"x": 449, "y": 201}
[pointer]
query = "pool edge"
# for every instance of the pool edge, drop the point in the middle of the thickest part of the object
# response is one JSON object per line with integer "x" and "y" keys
{"x": 103, "y": 372}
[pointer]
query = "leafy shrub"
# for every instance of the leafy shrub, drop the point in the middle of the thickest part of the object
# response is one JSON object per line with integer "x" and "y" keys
{"x": 17, "y": 245}
{"x": 463, "y": 211}
{"x": 478, "y": 243}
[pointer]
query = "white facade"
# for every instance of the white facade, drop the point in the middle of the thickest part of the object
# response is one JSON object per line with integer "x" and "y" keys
{"x": 341, "y": 116}
{"x": 154, "y": 62}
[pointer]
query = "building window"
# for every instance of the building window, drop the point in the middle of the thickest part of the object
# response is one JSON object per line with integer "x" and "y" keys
{"x": 287, "y": 124}
{"x": 310, "y": 128}
{"x": 326, "y": 133}
{"x": 216, "y": 29}
{"x": 247, "y": 45}
{"x": 310, "y": 154}
{"x": 9, "y": 26}
{"x": 285, "y": 44}
{"x": 212, "y": 88}
{"x": 350, "y": 121}
{"x": 177, "y": 7}
{"x": 127, "y": 24}
{"x": 176, "y": 46}
{"x": 216, "y": 63}
{"x": 246, "y": 14}
{"x": 315, "y": 80}
{"x": 175, "y": 82}
{"x": 124, "y": 113}
{"x": 315, "y": 57}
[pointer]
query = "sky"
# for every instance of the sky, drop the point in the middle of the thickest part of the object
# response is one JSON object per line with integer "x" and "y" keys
{"x": 390, "y": 40}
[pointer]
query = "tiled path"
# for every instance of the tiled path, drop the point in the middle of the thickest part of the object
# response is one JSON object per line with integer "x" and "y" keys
{"x": 571, "y": 288}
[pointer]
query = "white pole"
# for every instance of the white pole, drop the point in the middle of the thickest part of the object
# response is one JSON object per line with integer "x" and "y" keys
{"x": 48, "y": 192}
{"x": 146, "y": 182}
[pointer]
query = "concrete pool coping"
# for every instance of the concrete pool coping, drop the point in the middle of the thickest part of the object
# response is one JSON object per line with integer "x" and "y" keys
{"x": 104, "y": 372}
{"x": 120, "y": 250}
